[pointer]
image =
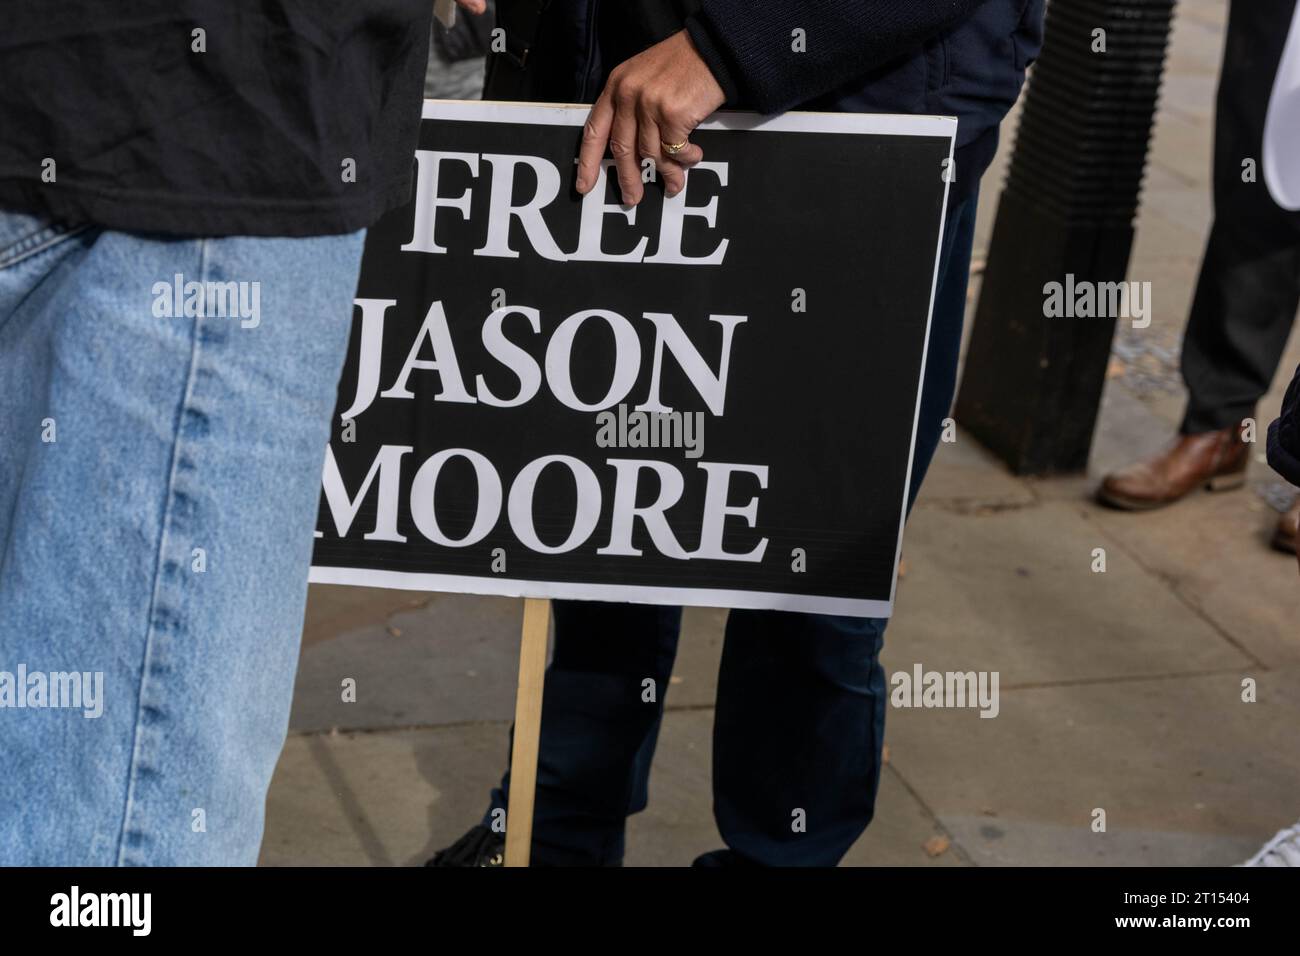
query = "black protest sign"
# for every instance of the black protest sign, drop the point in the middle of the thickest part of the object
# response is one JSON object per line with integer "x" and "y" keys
{"x": 708, "y": 399}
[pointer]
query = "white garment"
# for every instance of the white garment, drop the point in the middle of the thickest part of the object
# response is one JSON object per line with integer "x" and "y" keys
{"x": 1282, "y": 850}
{"x": 1282, "y": 126}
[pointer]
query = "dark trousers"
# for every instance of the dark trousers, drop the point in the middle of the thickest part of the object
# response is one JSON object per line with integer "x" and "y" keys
{"x": 800, "y": 715}
{"x": 1249, "y": 286}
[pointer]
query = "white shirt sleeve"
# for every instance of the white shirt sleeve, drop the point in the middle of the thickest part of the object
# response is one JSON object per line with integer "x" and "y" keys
{"x": 1282, "y": 126}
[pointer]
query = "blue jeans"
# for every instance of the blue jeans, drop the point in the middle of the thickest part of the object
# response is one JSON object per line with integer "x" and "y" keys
{"x": 800, "y": 714}
{"x": 159, "y": 480}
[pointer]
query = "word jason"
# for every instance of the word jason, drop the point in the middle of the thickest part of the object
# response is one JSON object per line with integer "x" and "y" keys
{"x": 556, "y": 370}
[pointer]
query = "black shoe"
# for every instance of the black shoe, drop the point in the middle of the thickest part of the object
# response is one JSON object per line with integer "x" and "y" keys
{"x": 479, "y": 847}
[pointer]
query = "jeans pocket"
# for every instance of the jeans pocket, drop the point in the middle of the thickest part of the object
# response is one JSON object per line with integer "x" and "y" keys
{"x": 23, "y": 235}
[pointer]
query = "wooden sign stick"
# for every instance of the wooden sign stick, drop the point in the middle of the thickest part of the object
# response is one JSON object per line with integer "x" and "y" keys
{"x": 528, "y": 729}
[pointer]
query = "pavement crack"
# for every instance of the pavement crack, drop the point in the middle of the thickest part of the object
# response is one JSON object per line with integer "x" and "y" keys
{"x": 953, "y": 843}
{"x": 1127, "y": 678}
{"x": 1173, "y": 585}
{"x": 977, "y": 507}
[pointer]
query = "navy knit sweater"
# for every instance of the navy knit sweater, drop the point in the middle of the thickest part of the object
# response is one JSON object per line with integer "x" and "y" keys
{"x": 1284, "y": 435}
{"x": 749, "y": 44}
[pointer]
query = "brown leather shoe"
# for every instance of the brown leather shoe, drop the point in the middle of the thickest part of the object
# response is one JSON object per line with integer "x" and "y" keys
{"x": 1288, "y": 529}
{"x": 1213, "y": 460}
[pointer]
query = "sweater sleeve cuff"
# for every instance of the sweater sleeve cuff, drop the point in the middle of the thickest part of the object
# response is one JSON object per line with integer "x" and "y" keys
{"x": 714, "y": 58}
{"x": 1284, "y": 458}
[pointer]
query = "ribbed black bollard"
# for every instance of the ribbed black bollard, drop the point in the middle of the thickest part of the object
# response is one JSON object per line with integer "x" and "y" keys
{"x": 1032, "y": 384}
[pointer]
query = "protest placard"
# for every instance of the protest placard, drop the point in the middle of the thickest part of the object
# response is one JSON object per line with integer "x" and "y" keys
{"x": 707, "y": 399}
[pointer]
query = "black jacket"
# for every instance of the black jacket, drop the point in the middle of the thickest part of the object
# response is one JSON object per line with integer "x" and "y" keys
{"x": 963, "y": 58}
{"x": 1284, "y": 435}
{"x": 211, "y": 117}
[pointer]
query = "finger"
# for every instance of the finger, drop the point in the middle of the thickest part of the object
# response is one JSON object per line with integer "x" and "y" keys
{"x": 595, "y": 136}
{"x": 689, "y": 156}
{"x": 671, "y": 132}
{"x": 472, "y": 6}
{"x": 651, "y": 146}
{"x": 622, "y": 146}
{"x": 674, "y": 176}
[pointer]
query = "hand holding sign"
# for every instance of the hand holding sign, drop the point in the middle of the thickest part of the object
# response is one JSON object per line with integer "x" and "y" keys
{"x": 648, "y": 109}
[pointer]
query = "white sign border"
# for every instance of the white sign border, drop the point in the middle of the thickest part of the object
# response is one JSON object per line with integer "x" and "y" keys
{"x": 880, "y": 124}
